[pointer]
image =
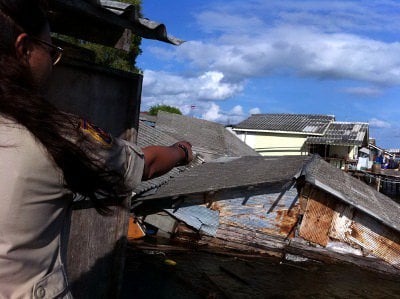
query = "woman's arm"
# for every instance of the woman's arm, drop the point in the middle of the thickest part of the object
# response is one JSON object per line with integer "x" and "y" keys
{"x": 161, "y": 159}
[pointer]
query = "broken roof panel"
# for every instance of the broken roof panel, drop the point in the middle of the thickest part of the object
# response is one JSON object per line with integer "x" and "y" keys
{"x": 241, "y": 172}
{"x": 342, "y": 133}
{"x": 352, "y": 191}
{"x": 308, "y": 124}
{"x": 211, "y": 140}
{"x": 248, "y": 172}
{"x": 104, "y": 22}
{"x": 198, "y": 217}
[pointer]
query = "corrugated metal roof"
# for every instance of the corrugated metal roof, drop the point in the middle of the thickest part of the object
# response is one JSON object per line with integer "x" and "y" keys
{"x": 394, "y": 150}
{"x": 104, "y": 21}
{"x": 342, "y": 133}
{"x": 352, "y": 191}
{"x": 198, "y": 217}
{"x": 308, "y": 124}
{"x": 211, "y": 140}
{"x": 271, "y": 213}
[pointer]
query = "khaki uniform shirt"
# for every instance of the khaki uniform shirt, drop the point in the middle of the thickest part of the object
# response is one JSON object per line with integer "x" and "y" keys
{"x": 35, "y": 208}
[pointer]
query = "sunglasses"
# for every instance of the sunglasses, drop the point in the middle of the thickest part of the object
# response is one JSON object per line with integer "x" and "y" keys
{"x": 54, "y": 51}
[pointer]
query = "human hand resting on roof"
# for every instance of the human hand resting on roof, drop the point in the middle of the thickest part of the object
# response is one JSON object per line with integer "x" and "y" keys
{"x": 161, "y": 159}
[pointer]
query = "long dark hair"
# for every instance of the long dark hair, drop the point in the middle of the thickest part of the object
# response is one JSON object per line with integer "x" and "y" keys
{"x": 22, "y": 101}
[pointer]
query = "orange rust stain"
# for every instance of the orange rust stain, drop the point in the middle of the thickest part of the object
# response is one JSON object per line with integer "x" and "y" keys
{"x": 215, "y": 206}
{"x": 317, "y": 219}
{"x": 355, "y": 234}
{"x": 286, "y": 220}
{"x": 378, "y": 240}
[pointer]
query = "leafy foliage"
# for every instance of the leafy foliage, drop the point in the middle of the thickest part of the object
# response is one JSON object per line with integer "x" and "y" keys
{"x": 154, "y": 109}
{"x": 111, "y": 57}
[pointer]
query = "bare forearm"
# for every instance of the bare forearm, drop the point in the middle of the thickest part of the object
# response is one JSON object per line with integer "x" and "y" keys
{"x": 161, "y": 159}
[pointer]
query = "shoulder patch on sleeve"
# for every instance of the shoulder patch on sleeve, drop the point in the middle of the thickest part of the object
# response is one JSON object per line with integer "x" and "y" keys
{"x": 96, "y": 133}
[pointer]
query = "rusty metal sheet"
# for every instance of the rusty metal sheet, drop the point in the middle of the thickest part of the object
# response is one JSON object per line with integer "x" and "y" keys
{"x": 274, "y": 214}
{"x": 317, "y": 219}
{"x": 376, "y": 238}
{"x": 199, "y": 217}
{"x": 341, "y": 223}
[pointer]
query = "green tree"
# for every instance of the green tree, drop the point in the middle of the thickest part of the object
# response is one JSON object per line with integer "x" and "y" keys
{"x": 154, "y": 109}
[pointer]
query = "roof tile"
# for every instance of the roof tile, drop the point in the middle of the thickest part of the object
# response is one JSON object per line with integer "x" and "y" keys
{"x": 342, "y": 133}
{"x": 297, "y": 123}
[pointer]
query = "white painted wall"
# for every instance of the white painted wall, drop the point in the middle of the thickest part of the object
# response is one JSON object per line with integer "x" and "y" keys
{"x": 269, "y": 144}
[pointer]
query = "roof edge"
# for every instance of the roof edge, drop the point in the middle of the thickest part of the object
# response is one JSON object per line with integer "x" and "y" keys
{"x": 278, "y": 132}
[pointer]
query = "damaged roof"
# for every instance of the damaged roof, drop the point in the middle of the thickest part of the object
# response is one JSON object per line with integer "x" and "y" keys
{"x": 342, "y": 133}
{"x": 231, "y": 173}
{"x": 104, "y": 21}
{"x": 352, "y": 191}
{"x": 211, "y": 140}
{"x": 308, "y": 124}
{"x": 247, "y": 172}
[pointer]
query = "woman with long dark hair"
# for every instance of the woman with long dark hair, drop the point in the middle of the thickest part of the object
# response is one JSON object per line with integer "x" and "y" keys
{"x": 47, "y": 156}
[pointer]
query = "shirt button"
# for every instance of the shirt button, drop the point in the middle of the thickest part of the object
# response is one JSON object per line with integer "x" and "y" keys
{"x": 40, "y": 292}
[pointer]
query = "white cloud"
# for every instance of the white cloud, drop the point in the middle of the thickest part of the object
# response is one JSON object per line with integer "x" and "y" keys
{"x": 211, "y": 21}
{"x": 214, "y": 113}
{"x": 363, "y": 91}
{"x": 298, "y": 51}
{"x": 255, "y": 111}
{"x": 237, "y": 110}
{"x": 317, "y": 39}
{"x": 208, "y": 86}
{"x": 371, "y": 15}
{"x": 356, "y": 41}
{"x": 377, "y": 123}
{"x": 262, "y": 38}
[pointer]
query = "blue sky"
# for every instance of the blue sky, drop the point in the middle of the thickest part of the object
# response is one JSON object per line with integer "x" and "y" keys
{"x": 261, "y": 56}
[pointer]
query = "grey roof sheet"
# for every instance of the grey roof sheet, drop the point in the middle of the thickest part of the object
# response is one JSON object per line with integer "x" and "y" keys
{"x": 352, "y": 191}
{"x": 209, "y": 139}
{"x": 233, "y": 173}
{"x": 310, "y": 124}
{"x": 147, "y": 117}
{"x": 147, "y": 136}
{"x": 342, "y": 133}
